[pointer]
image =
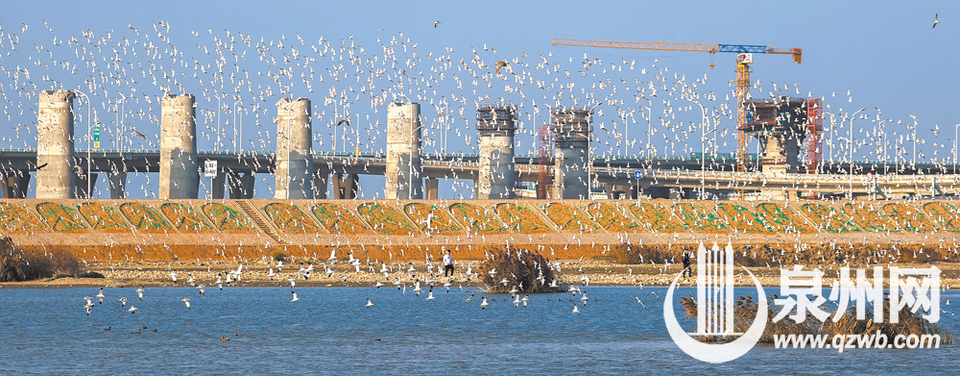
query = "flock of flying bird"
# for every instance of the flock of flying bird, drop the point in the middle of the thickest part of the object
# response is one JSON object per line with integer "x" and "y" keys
{"x": 124, "y": 72}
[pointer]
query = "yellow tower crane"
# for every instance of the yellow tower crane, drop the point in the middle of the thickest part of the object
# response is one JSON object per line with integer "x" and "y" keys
{"x": 744, "y": 59}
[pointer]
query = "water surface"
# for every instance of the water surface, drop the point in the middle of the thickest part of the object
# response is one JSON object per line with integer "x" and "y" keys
{"x": 330, "y": 331}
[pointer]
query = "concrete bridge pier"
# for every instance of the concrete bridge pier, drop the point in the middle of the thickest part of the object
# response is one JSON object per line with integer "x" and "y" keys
{"x": 241, "y": 186}
{"x": 179, "y": 174}
{"x": 571, "y": 128}
{"x": 433, "y": 187}
{"x": 55, "y": 174}
{"x": 321, "y": 184}
{"x": 15, "y": 184}
{"x": 219, "y": 184}
{"x": 404, "y": 169}
{"x": 345, "y": 188}
{"x": 294, "y": 149}
{"x": 118, "y": 184}
{"x": 496, "y": 125}
{"x": 82, "y": 181}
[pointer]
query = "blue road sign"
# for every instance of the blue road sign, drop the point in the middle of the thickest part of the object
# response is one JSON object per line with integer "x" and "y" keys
{"x": 637, "y": 174}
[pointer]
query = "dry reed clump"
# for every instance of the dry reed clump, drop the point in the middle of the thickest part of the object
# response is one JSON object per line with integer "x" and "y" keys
{"x": 18, "y": 265}
{"x": 643, "y": 253}
{"x": 746, "y": 311}
{"x": 525, "y": 270}
{"x": 774, "y": 255}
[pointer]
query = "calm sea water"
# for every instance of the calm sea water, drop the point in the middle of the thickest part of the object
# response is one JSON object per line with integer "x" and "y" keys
{"x": 329, "y": 331}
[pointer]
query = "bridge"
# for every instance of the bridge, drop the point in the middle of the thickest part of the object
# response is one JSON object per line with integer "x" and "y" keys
{"x": 661, "y": 177}
{"x": 63, "y": 172}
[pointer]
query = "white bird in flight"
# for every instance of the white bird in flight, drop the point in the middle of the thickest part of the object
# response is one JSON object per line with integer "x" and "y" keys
{"x": 936, "y": 19}
{"x": 369, "y": 303}
{"x": 295, "y": 298}
{"x": 186, "y": 301}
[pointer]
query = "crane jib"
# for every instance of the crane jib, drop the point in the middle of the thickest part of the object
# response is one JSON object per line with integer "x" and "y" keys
{"x": 740, "y": 48}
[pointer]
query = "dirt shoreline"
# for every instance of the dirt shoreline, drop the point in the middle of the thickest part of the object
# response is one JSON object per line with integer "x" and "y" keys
{"x": 256, "y": 274}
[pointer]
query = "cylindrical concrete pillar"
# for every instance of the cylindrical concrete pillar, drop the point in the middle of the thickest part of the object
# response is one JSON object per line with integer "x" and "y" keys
{"x": 55, "y": 175}
{"x": 294, "y": 148}
{"x": 496, "y": 125}
{"x": 571, "y": 129}
{"x": 404, "y": 167}
{"x": 179, "y": 175}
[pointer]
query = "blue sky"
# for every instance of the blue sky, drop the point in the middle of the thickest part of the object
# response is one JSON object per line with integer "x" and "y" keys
{"x": 885, "y": 54}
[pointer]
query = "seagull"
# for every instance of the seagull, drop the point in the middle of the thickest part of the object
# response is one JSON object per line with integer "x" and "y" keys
{"x": 575, "y": 309}
{"x": 430, "y": 296}
{"x": 123, "y": 302}
{"x": 140, "y": 293}
{"x": 469, "y": 299}
{"x": 369, "y": 303}
{"x": 186, "y": 301}
{"x": 133, "y": 309}
{"x": 378, "y": 284}
{"x": 484, "y": 303}
{"x": 436, "y": 23}
{"x": 936, "y": 20}
{"x": 100, "y": 295}
{"x": 173, "y": 275}
{"x": 202, "y": 291}
{"x": 89, "y": 306}
{"x": 641, "y": 302}
{"x": 654, "y": 293}
{"x": 295, "y": 298}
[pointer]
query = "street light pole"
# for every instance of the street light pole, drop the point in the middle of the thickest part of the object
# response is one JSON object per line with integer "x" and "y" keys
{"x": 219, "y": 108}
{"x": 955, "y": 128}
{"x": 850, "y": 145}
{"x": 89, "y": 138}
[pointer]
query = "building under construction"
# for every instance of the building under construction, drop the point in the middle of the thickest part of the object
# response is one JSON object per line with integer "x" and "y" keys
{"x": 783, "y": 127}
